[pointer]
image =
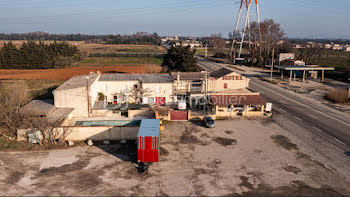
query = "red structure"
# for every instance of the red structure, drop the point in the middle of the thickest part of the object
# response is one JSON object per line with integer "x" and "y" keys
{"x": 148, "y": 143}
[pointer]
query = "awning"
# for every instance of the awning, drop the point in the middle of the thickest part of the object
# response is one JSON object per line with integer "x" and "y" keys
{"x": 226, "y": 100}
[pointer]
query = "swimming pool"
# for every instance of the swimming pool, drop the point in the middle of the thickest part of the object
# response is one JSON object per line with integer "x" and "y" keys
{"x": 114, "y": 123}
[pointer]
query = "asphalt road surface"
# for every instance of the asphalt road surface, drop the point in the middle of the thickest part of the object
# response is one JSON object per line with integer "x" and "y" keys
{"x": 326, "y": 122}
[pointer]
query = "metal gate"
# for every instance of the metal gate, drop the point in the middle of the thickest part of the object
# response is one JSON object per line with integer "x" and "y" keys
{"x": 178, "y": 115}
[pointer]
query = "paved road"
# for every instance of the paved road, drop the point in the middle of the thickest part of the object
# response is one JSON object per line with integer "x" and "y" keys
{"x": 328, "y": 123}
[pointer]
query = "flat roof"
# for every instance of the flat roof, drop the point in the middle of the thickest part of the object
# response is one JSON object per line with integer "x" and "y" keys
{"x": 39, "y": 107}
{"x": 45, "y": 108}
{"x": 307, "y": 67}
{"x": 78, "y": 82}
{"x": 145, "y": 78}
{"x": 189, "y": 75}
{"x": 149, "y": 128}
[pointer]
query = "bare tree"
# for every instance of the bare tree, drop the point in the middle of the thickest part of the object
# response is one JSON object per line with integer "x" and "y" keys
{"x": 136, "y": 93}
{"x": 309, "y": 55}
{"x": 11, "y": 115}
{"x": 271, "y": 34}
{"x": 51, "y": 130}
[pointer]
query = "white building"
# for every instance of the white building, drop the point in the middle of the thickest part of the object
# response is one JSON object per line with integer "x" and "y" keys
{"x": 337, "y": 47}
{"x": 109, "y": 95}
{"x": 286, "y": 56}
{"x": 191, "y": 43}
{"x": 327, "y": 46}
{"x": 83, "y": 93}
{"x": 347, "y": 49}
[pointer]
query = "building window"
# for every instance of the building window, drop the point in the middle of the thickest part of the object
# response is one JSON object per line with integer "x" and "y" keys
{"x": 225, "y": 85}
{"x": 151, "y": 100}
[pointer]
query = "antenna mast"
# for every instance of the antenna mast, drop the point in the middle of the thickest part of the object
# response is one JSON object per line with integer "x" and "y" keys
{"x": 246, "y": 25}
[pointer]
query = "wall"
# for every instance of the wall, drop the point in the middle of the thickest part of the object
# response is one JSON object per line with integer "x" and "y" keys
{"x": 246, "y": 112}
{"x": 216, "y": 85}
{"x": 160, "y": 90}
{"x": 73, "y": 98}
{"x": 110, "y": 88}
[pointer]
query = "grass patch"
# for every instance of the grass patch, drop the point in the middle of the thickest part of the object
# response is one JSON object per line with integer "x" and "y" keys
{"x": 292, "y": 169}
{"x": 284, "y": 142}
{"x": 268, "y": 80}
{"x": 89, "y": 61}
{"x": 225, "y": 141}
{"x": 38, "y": 89}
{"x": 111, "y": 61}
{"x": 187, "y": 137}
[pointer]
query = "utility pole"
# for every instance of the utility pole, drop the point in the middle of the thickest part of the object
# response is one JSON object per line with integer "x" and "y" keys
{"x": 206, "y": 50}
{"x": 206, "y": 91}
{"x": 273, "y": 60}
{"x": 349, "y": 89}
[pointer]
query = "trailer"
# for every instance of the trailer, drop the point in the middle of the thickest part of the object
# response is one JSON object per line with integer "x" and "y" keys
{"x": 148, "y": 144}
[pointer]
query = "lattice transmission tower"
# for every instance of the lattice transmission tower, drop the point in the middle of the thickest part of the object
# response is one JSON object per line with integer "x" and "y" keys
{"x": 247, "y": 4}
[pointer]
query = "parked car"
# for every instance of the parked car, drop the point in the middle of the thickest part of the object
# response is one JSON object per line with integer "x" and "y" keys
{"x": 209, "y": 122}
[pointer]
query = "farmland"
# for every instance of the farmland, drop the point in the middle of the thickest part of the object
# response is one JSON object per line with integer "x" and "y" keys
{"x": 94, "y": 64}
{"x": 42, "y": 79}
{"x": 87, "y": 48}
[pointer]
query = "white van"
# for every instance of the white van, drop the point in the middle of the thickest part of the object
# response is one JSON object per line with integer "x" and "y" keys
{"x": 181, "y": 105}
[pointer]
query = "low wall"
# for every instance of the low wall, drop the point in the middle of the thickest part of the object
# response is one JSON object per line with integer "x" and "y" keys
{"x": 141, "y": 113}
{"x": 100, "y": 133}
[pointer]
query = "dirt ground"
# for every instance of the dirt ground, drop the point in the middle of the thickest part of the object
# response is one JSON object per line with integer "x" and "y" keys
{"x": 67, "y": 73}
{"x": 238, "y": 157}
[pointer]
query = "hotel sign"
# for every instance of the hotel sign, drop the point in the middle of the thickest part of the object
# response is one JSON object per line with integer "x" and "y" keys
{"x": 232, "y": 78}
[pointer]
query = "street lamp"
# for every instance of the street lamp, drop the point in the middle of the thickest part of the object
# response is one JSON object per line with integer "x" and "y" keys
{"x": 87, "y": 95}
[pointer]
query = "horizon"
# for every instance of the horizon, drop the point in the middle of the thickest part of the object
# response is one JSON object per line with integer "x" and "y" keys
{"x": 302, "y": 20}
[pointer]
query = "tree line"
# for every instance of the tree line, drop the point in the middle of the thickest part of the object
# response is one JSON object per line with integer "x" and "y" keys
{"x": 33, "y": 55}
{"x": 180, "y": 59}
{"x": 138, "y": 38}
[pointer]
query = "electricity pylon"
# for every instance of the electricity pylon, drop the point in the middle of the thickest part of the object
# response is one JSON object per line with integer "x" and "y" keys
{"x": 246, "y": 26}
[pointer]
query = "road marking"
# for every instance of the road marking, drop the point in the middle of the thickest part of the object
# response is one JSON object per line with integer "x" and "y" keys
{"x": 301, "y": 104}
{"x": 339, "y": 141}
{"x": 312, "y": 116}
{"x": 298, "y": 118}
{"x": 282, "y": 110}
{"x": 317, "y": 129}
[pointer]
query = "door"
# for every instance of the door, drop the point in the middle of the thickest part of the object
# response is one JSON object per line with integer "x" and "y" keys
{"x": 115, "y": 100}
{"x": 148, "y": 149}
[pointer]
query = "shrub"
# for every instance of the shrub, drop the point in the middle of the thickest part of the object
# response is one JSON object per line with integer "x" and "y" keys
{"x": 101, "y": 96}
{"x": 338, "y": 95}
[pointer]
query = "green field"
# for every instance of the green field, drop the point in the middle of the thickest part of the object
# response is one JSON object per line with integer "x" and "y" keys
{"x": 337, "y": 59}
{"x": 110, "y": 61}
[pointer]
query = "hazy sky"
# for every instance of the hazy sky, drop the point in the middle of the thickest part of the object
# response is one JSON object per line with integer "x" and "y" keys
{"x": 299, "y": 18}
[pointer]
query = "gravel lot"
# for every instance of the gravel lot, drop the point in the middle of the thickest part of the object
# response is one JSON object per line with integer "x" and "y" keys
{"x": 238, "y": 157}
